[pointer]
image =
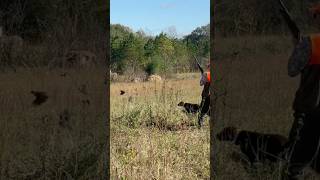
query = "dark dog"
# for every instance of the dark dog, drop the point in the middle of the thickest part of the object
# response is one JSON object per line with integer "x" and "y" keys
{"x": 190, "y": 108}
{"x": 257, "y": 147}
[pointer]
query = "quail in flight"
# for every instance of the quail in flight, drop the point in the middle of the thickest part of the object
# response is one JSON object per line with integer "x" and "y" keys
{"x": 40, "y": 97}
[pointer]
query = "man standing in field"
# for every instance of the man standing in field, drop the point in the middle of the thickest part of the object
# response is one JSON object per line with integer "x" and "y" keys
{"x": 303, "y": 146}
{"x": 205, "y": 102}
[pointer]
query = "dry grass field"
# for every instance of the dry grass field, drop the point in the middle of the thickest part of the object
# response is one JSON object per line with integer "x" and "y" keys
{"x": 151, "y": 138}
{"x": 259, "y": 96}
{"x": 63, "y": 138}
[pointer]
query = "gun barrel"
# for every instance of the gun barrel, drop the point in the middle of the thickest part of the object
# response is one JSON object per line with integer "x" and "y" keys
{"x": 292, "y": 25}
{"x": 200, "y": 68}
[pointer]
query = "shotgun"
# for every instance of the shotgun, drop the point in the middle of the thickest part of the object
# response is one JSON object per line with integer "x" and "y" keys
{"x": 295, "y": 31}
{"x": 201, "y": 70}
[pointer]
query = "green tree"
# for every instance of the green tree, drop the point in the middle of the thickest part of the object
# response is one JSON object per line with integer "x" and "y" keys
{"x": 163, "y": 47}
{"x": 133, "y": 50}
{"x": 118, "y": 37}
{"x": 149, "y": 48}
{"x": 181, "y": 56}
{"x": 198, "y": 41}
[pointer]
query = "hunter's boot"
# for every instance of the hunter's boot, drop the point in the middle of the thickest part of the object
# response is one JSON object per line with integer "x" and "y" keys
{"x": 292, "y": 174}
{"x": 294, "y": 171}
{"x": 201, "y": 115}
{"x": 200, "y": 119}
{"x": 204, "y": 108}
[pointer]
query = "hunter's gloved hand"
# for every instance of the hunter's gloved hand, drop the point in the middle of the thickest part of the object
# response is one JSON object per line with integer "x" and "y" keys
{"x": 203, "y": 79}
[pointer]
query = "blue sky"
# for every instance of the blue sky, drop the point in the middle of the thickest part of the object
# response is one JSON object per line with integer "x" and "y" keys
{"x": 155, "y": 16}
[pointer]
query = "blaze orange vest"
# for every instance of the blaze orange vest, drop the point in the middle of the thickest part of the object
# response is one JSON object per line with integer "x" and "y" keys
{"x": 315, "y": 49}
{"x": 208, "y": 76}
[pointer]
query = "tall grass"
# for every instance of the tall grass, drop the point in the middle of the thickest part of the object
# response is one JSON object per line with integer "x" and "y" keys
{"x": 259, "y": 97}
{"x": 151, "y": 138}
{"x": 64, "y": 138}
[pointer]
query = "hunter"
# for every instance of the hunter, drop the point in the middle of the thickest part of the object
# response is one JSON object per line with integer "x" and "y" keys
{"x": 303, "y": 146}
{"x": 205, "y": 102}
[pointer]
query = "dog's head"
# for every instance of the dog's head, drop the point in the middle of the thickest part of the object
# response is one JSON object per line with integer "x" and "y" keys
{"x": 181, "y": 103}
{"x": 243, "y": 137}
{"x": 227, "y": 134}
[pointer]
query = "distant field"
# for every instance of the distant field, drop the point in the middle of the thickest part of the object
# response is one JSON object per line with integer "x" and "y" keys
{"x": 151, "y": 138}
{"x": 63, "y": 138}
{"x": 259, "y": 96}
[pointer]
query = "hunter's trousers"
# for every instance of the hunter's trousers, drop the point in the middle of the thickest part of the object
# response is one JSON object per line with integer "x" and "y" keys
{"x": 303, "y": 146}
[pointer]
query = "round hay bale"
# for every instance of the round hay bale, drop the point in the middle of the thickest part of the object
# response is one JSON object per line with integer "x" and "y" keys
{"x": 136, "y": 80}
{"x": 154, "y": 78}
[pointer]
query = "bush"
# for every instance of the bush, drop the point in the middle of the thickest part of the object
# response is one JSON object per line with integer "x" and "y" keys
{"x": 151, "y": 68}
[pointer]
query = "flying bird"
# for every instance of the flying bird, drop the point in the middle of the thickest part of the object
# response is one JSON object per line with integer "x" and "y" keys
{"x": 235, "y": 53}
{"x": 122, "y": 92}
{"x": 40, "y": 97}
{"x": 63, "y": 74}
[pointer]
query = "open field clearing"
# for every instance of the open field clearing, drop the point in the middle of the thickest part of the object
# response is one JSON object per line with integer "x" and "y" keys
{"x": 259, "y": 97}
{"x": 151, "y": 138}
{"x": 62, "y": 138}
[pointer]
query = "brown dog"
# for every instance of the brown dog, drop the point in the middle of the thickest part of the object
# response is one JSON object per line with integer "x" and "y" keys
{"x": 256, "y": 146}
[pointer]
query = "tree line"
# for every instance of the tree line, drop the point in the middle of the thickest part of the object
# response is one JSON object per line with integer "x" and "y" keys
{"x": 133, "y": 52}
